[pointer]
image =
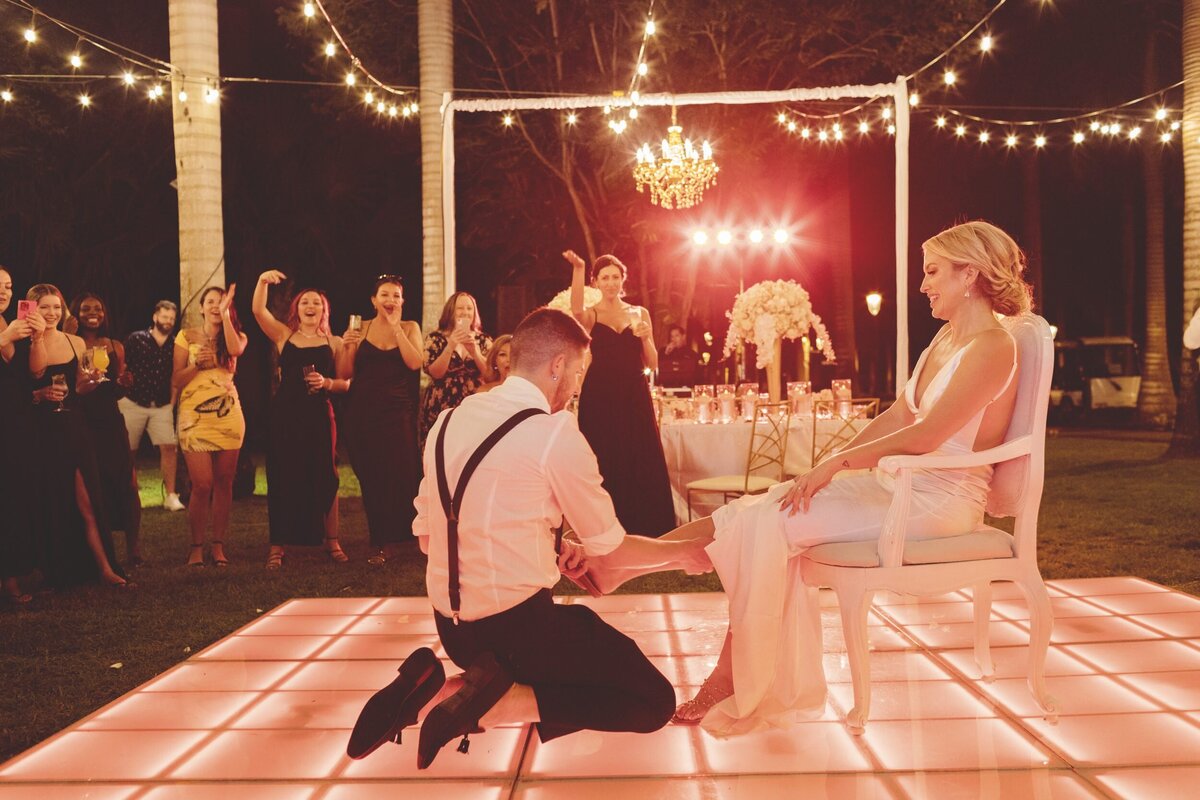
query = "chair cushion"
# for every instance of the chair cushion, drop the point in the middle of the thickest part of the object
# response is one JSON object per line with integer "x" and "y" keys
{"x": 732, "y": 483}
{"x": 979, "y": 545}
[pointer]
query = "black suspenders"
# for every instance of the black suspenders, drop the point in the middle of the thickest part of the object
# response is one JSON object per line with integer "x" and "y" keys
{"x": 452, "y": 504}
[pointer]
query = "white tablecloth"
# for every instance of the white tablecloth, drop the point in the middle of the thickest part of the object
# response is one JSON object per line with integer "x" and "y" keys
{"x": 694, "y": 451}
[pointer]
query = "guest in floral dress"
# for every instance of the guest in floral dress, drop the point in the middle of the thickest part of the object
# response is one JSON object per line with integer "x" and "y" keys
{"x": 455, "y": 357}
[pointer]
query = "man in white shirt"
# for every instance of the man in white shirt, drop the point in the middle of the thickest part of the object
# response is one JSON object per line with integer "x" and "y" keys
{"x": 527, "y": 659}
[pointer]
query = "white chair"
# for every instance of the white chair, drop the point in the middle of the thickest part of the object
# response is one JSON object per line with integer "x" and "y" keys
{"x": 768, "y": 451}
{"x": 856, "y": 570}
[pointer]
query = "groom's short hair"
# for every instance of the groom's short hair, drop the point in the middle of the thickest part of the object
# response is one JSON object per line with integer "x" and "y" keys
{"x": 546, "y": 333}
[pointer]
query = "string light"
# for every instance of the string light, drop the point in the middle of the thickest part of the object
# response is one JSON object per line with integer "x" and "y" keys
{"x": 949, "y": 78}
{"x": 886, "y": 113}
{"x": 983, "y": 137}
{"x": 351, "y": 79}
{"x": 76, "y": 60}
{"x": 310, "y": 10}
{"x": 756, "y": 236}
{"x": 393, "y": 111}
{"x": 863, "y": 127}
{"x": 1175, "y": 125}
{"x": 85, "y": 101}
{"x": 1011, "y": 140}
{"x": 211, "y": 95}
{"x": 572, "y": 118}
{"x": 782, "y": 118}
{"x": 633, "y": 113}
{"x": 823, "y": 135}
{"x": 643, "y": 69}
{"x": 508, "y": 120}
{"x": 7, "y": 95}
{"x": 914, "y": 99}
{"x": 805, "y": 133}
{"x": 985, "y": 43}
{"x": 330, "y": 49}
{"x": 369, "y": 98}
{"x": 129, "y": 78}
{"x": 31, "y": 35}
{"x": 961, "y": 130}
{"x": 651, "y": 28}
{"x": 1077, "y": 137}
{"x": 1135, "y": 132}
{"x": 791, "y": 126}
{"x": 1039, "y": 141}
{"x": 1165, "y": 137}
{"x": 1160, "y": 114}
{"x": 780, "y": 236}
{"x": 183, "y": 95}
{"x": 1095, "y": 126}
{"x": 724, "y": 237}
{"x": 891, "y": 129}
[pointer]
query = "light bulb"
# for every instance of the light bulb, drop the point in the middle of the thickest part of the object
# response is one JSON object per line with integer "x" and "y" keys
{"x": 330, "y": 49}
{"x": 30, "y": 35}
{"x": 84, "y": 100}
{"x": 823, "y": 135}
{"x": 891, "y": 129}
{"x": 393, "y": 111}
{"x": 407, "y": 111}
{"x": 1039, "y": 141}
{"x": 983, "y": 137}
{"x": 950, "y": 78}
{"x": 1135, "y": 132}
{"x": 651, "y": 28}
{"x": 642, "y": 68}
{"x": 791, "y": 126}
{"x": 724, "y": 237}
{"x": 129, "y": 78}
{"x": 211, "y": 95}
{"x": 6, "y": 95}
{"x": 941, "y": 122}
{"x": 381, "y": 106}
{"x": 985, "y": 42}
{"x": 805, "y": 133}
{"x": 886, "y": 113}
{"x": 183, "y": 95}
{"x": 756, "y": 236}
{"x": 76, "y": 60}
{"x": 1095, "y": 126}
{"x": 837, "y": 126}
{"x": 780, "y": 235}
{"x": 1164, "y": 137}
{"x": 1115, "y": 128}
{"x": 961, "y": 130}
{"x": 351, "y": 79}
{"x": 1077, "y": 138}
{"x": 572, "y": 118}
{"x": 864, "y": 127}
{"x": 1160, "y": 114}
{"x": 700, "y": 238}
{"x": 508, "y": 120}
{"x": 310, "y": 10}
{"x": 782, "y": 118}
{"x": 633, "y": 113}
{"x": 1011, "y": 140}
{"x": 1175, "y": 125}
{"x": 914, "y": 99}
{"x": 837, "y": 135}
{"x": 369, "y": 98}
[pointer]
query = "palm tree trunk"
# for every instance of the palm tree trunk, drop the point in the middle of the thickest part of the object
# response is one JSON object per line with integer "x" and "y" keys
{"x": 1156, "y": 402}
{"x": 435, "y": 42}
{"x": 1186, "y": 441}
{"x": 197, "y": 125}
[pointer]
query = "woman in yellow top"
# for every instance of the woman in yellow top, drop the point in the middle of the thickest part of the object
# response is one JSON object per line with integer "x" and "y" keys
{"x": 211, "y": 425}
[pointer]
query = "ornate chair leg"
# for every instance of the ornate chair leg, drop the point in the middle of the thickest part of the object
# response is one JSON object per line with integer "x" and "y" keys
{"x": 1041, "y": 622}
{"x": 983, "y": 614}
{"x": 854, "y": 606}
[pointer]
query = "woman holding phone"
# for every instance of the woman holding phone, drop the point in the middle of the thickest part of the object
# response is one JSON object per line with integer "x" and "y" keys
{"x": 211, "y": 425}
{"x": 18, "y": 549}
{"x": 302, "y": 476}
{"x": 76, "y": 545}
{"x": 455, "y": 357}
{"x": 383, "y": 358}
{"x": 120, "y": 505}
{"x": 616, "y": 414}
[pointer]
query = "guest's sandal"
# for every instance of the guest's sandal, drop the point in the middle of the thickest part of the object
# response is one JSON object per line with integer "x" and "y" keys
{"x": 198, "y": 562}
{"x": 275, "y": 560}
{"x": 220, "y": 562}
{"x": 336, "y": 553}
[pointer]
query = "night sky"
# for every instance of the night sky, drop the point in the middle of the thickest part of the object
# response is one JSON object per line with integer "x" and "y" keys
{"x": 317, "y": 188}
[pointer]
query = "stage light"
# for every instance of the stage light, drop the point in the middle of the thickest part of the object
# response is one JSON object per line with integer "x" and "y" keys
{"x": 781, "y": 236}
{"x": 700, "y": 238}
{"x": 724, "y": 237}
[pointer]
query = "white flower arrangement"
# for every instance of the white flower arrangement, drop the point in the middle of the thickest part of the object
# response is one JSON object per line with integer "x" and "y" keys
{"x": 562, "y": 300}
{"x": 768, "y": 311}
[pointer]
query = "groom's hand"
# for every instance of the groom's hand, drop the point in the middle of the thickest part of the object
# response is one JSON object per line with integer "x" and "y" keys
{"x": 572, "y": 561}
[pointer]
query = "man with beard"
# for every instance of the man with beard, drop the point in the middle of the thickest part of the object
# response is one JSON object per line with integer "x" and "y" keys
{"x": 493, "y": 563}
{"x": 148, "y": 405}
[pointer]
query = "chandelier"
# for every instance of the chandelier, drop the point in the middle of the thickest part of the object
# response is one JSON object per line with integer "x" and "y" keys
{"x": 679, "y": 177}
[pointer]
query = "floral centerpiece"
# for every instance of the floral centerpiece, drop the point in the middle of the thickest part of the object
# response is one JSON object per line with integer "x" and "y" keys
{"x": 562, "y": 300}
{"x": 766, "y": 314}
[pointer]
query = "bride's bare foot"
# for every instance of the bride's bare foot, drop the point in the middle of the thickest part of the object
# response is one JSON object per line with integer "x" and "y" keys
{"x": 714, "y": 690}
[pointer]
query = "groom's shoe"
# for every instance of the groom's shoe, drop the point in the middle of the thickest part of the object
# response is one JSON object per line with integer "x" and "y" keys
{"x": 484, "y": 683}
{"x": 395, "y": 706}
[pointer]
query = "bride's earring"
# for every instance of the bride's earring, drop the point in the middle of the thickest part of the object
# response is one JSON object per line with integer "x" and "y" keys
{"x": 967, "y": 294}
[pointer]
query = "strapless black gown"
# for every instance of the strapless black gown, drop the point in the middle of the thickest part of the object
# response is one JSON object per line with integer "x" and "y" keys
{"x": 616, "y": 416}
{"x": 381, "y": 436}
{"x": 18, "y": 545}
{"x": 302, "y": 478}
{"x": 111, "y": 444}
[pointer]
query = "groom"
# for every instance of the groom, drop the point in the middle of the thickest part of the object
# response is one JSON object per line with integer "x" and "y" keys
{"x": 492, "y": 565}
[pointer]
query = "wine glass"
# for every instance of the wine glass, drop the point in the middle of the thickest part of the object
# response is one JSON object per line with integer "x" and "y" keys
{"x": 100, "y": 361}
{"x": 59, "y": 381}
{"x": 309, "y": 369}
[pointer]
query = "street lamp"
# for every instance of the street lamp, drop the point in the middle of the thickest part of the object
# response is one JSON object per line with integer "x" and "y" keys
{"x": 874, "y": 302}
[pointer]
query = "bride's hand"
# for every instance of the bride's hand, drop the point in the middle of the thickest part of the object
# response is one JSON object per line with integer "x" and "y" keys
{"x": 799, "y": 497}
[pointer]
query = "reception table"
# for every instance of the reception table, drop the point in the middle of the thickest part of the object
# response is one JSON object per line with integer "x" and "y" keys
{"x": 694, "y": 451}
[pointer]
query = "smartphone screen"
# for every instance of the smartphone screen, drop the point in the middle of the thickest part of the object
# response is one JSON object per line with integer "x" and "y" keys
{"x": 24, "y": 308}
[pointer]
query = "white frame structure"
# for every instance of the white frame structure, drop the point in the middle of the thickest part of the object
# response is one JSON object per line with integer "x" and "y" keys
{"x": 898, "y": 91}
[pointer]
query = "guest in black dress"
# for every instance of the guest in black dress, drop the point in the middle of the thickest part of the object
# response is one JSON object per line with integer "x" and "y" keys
{"x": 121, "y": 504}
{"x": 302, "y": 476}
{"x": 616, "y": 414}
{"x": 383, "y": 359}
{"x": 455, "y": 357}
{"x": 76, "y": 547}
{"x": 18, "y": 553}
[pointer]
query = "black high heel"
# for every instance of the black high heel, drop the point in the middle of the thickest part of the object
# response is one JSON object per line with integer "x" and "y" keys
{"x": 394, "y": 707}
{"x": 484, "y": 683}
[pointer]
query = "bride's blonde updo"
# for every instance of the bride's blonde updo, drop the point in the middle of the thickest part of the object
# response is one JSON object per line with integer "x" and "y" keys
{"x": 999, "y": 260}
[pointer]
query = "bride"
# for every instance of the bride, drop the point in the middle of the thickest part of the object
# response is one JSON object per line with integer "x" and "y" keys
{"x": 959, "y": 399}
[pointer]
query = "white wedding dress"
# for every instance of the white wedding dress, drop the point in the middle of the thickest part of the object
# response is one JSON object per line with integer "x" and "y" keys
{"x": 778, "y": 676}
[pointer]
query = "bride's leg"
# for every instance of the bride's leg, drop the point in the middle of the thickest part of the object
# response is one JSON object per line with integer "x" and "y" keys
{"x": 682, "y": 548}
{"x": 717, "y": 686}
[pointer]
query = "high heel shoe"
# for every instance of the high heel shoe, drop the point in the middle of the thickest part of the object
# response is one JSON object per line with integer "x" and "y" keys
{"x": 336, "y": 553}
{"x": 222, "y": 561}
{"x": 394, "y": 707}
{"x": 694, "y": 710}
{"x": 484, "y": 683}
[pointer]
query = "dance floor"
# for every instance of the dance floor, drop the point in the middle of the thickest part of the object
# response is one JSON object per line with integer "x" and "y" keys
{"x": 265, "y": 713}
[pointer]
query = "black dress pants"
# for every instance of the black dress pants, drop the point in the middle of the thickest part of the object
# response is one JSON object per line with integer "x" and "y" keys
{"x": 585, "y": 674}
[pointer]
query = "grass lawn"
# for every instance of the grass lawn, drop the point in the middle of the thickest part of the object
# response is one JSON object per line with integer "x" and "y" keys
{"x": 1111, "y": 507}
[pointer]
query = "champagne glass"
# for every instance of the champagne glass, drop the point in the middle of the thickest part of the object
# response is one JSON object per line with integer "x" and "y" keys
{"x": 59, "y": 381}
{"x": 355, "y": 322}
{"x": 100, "y": 361}
{"x": 309, "y": 369}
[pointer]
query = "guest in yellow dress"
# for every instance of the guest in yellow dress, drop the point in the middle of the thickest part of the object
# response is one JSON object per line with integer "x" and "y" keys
{"x": 211, "y": 425}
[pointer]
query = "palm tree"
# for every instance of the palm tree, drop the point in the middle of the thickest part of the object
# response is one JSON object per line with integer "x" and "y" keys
{"x": 435, "y": 41}
{"x": 197, "y": 121}
{"x": 1186, "y": 441}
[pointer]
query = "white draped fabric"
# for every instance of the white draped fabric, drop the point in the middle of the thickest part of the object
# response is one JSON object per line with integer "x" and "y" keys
{"x": 898, "y": 91}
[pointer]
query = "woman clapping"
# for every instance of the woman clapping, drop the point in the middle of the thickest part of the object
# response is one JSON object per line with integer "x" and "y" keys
{"x": 302, "y": 477}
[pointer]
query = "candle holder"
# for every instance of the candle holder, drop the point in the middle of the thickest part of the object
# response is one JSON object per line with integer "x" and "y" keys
{"x": 748, "y": 395}
{"x": 842, "y": 394}
{"x": 726, "y": 403}
{"x": 800, "y": 397}
{"x": 702, "y": 400}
